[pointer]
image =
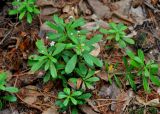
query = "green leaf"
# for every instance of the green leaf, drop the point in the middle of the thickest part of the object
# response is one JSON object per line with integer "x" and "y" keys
{"x": 131, "y": 82}
{"x": 59, "y": 48}
{"x": 73, "y": 101}
{"x": 71, "y": 64}
{"x": 146, "y": 85}
{"x": 36, "y": 66}
{"x": 41, "y": 47}
{"x": 46, "y": 67}
{"x": 13, "y": 12}
{"x": 118, "y": 82}
{"x": 29, "y": 18}
{"x": 88, "y": 60}
{"x": 92, "y": 79}
{"x": 66, "y": 101}
{"x": 46, "y": 77}
{"x": 146, "y": 72}
{"x": 130, "y": 54}
{"x": 22, "y": 15}
{"x": 3, "y": 76}
{"x": 138, "y": 60}
{"x": 104, "y": 31}
{"x": 117, "y": 37}
{"x": 129, "y": 40}
{"x": 85, "y": 96}
{"x": 94, "y": 40}
{"x": 11, "y": 89}
{"x": 61, "y": 95}
{"x": 90, "y": 73}
{"x": 36, "y": 11}
{"x": 155, "y": 80}
{"x": 134, "y": 63}
{"x": 77, "y": 23}
{"x": 96, "y": 61}
{"x": 58, "y": 20}
{"x": 141, "y": 54}
{"x": 53, "y": 71}
{"x": 77, "y": 93}
{"x": 30, "y": 9}
{"x": 122, "y": 44}
{"x": 67, "y": 91}
{"x": 10, "y": 98}
{"x": 74, "y": 111}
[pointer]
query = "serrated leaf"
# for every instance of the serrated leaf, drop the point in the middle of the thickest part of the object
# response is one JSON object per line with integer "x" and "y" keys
{"x": 77, "y": 23}
{"x": 66, "y": 101}
{"x": 88, "y": 60}
{"x": 92, "y": 79}
{"x": 30, "y": 9}
{"x": 155, "y": 80}
{"x": 146, "y": 85}
{"x": 130, "y": 53}
{"x": 3, "y": 76}
{"x": 96, "y": 61}
{"x": 131, "y": 82}
{"x": 41, "y": 47}
{"x": 95, "y": 39}
{"x": 141, "y": 54}
{"x": 10, "y": 98}
{"x": 59, "y": 48}
{"x": 22, "y": 15}
{"x": 61, "y": 95}
{"x": 85, "y": 96}
{"x": 53, "y": 71}
{"x": 73, "y": 101}
{"x": 77, "y": 93}
{"x": 67, "y": 91}
{"x": 29, "y": 18}
{"x": 71, "y": 64}
{"x": 13, "y": 12}
{"x": 129, "y": 40}
{"x": 11, "y": 89}
{"x": 122, "y": 44}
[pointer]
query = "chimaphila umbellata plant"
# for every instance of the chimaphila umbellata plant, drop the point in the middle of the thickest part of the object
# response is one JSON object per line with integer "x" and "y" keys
{"x": 117, "y": 34}
{"x": 5, "y": 91}
{"x": 26, "y": 8}
{"x": 69, "y": 50}
{"x": 146, "y": 70}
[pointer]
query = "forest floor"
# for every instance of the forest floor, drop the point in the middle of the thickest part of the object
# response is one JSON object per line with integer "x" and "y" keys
{"x": 17, "y": 43}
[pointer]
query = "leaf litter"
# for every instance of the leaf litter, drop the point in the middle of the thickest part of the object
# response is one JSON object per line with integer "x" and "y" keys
{"x": 17, "y": 42}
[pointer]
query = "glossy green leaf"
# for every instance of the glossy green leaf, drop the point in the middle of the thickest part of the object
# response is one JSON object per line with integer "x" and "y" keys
{"x": 71, "y": 64}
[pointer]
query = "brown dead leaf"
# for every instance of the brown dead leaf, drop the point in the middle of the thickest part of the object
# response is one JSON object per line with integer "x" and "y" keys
{"x": 83, "y": 7}
{"x": 87, "y": 110}
{"x": 100, "y": 9}
{"x": 96, "y": 51}
{"x": 79, "y": 82}
{"x": 51, "y": 110}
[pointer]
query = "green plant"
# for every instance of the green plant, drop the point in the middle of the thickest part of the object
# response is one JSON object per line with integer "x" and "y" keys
{"x": 86, "y": 79}
{"x": 45, "y": 60}
{"x": 116, "y": 33}
{"x": 6, "y": 91}
{"x": 78, "y": 47}
{"x": 25, "y": 8}
{"x": 71, "y": 98}
{"x": 147, "y": 70}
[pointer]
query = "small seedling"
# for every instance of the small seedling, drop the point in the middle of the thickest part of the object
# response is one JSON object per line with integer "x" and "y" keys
{"x": 24, "y": 8}
{"x": 71, "y": 98}
{"x": 147, "y": 70}
{"x": 5, "y": 90}
{"x": 116, "y": 33}
{"x": 86, "y": 79}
